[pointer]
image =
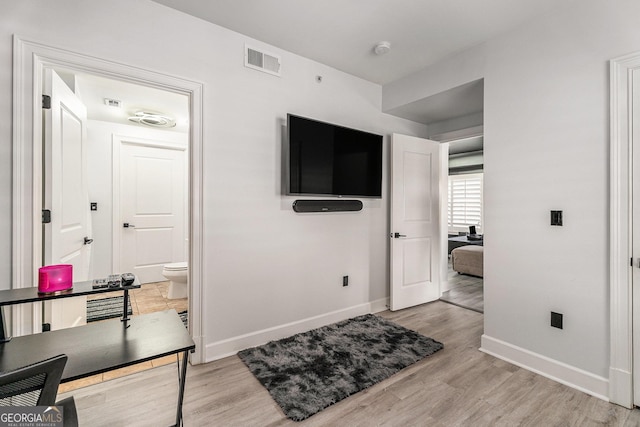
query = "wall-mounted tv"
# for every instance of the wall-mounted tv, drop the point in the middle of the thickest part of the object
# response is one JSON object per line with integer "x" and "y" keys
{"x": 331, "y": 160}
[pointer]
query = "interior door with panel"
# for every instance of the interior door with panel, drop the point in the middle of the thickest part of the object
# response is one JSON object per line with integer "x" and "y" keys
{"x": 152, "y": 203}
{"x": 417, "y": 244}
{"x": 67, "y": 238}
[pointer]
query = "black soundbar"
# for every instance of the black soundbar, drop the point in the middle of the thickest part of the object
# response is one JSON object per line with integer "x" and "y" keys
{"x": 327, "y": 205}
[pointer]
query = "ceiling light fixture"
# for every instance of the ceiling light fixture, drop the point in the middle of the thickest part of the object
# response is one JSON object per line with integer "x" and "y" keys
{"x": 382, "y": 47}
{"x": 153, "y": 119}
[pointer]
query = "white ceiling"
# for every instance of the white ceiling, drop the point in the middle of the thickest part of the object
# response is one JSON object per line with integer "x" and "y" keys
{"x": 342, "y": 33}
{"x": 459, "y": 101}
{"x": 92, "y": 91}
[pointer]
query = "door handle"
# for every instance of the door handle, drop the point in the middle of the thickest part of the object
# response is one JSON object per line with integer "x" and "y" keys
{"x": 88, "y": 241}
{"x": 127, "y": 225}
{"x": 398, "y": 235}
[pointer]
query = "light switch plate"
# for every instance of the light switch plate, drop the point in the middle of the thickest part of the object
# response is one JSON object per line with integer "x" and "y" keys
{"x": 556, "y": 320}
{"x": 556, "y": 218}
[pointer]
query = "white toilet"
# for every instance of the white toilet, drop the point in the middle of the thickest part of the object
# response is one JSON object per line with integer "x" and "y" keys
{"x": 177, "y": 274}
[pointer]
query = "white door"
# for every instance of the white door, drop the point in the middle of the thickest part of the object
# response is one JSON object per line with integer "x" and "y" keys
{"x": 152, "y": 208}
{"x": 416, "y": 216}
{"x": 67, "y": 238}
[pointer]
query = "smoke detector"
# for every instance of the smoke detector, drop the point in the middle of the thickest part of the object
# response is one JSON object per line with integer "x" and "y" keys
{"x": 381, "y": 48}
{"x": 154, "y": 119}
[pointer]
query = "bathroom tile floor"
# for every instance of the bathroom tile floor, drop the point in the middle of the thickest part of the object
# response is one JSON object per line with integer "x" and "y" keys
{"x": 149, "y": 298}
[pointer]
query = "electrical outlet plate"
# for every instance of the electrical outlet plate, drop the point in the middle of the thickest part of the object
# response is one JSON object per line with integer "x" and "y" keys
{"x": 556, "y": 218}
{"x": 345, "y": 280}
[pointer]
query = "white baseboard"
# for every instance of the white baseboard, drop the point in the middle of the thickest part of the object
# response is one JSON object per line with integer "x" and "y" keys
{"x": 198, "y": 357}
{"x": 379, "y": 305}
{"x": 445, "y": 286}
{"x": 621, "y": 387}
{"x": 231, "y": 346}
{"x": 568, "y": 375}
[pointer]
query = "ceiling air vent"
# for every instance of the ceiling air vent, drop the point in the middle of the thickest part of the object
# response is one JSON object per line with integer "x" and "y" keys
{"x": 261, "y": 61}
{"x": 113, "y": 102}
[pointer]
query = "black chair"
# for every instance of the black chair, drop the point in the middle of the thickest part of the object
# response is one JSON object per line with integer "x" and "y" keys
{"x": 37, "y": 385}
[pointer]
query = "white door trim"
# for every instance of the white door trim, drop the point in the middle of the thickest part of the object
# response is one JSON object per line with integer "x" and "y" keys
{"x": 29, "y": 59}
{"x": 621, "y": 316}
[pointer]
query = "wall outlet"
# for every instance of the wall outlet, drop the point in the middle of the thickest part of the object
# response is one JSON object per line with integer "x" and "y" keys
{"x": 556, "y": 218}
{"x": 345, "y": 280}
{"x": 556, "y": 320}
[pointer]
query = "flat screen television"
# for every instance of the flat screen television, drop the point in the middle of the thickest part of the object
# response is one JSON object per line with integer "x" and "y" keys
{"x": 331, "y": 160}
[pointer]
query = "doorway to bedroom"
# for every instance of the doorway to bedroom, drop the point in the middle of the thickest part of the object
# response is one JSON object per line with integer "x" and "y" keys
{"x": 465, "y": 257}
{"x": 455, "y": 116}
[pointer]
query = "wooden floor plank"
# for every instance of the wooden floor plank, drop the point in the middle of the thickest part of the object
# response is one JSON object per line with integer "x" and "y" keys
{"x": 464, "y": 290}
{"x": 458, "y": 386}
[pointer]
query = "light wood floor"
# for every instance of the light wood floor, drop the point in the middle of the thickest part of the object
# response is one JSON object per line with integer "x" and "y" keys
{"x": 149, "y": 298}
{"x": 464, "y": 290}
{"x": 458, "y": 386}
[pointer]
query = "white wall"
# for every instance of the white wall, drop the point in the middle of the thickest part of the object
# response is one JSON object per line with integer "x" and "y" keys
{"x": 546, "y": 147}
{"x": 458, "y": 70}
{"x": 265, "y": 266}
{"x": 456, "y": 124}
{"x": 100, "y": 183}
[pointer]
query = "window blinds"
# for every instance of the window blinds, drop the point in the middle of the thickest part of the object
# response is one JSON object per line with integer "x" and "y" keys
{"x": 465, "y": 202}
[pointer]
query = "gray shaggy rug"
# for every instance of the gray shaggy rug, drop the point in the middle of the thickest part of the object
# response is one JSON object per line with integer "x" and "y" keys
{"x": 307, "y": 372}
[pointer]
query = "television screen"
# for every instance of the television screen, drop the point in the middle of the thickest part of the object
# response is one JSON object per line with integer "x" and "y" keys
{"x": 326, "y": 159}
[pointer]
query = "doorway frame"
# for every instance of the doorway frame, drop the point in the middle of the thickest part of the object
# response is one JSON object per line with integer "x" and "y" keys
{"x": 29, "y": 60}
{"x": 620, "y": 254}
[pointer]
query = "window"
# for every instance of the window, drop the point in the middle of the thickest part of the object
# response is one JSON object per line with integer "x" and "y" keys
{"x": 465, "y": 202}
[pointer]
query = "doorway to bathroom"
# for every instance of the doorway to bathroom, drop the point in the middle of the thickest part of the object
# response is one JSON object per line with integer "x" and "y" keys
{"x": 136, "y": 175}
{"x": 134, "y": 167}
{"x": 31, "y": 59}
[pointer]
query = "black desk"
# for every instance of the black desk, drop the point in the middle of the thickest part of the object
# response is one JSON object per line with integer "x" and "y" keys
{"x": 25, "y": 295}
{"x": 101, "y": 346}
